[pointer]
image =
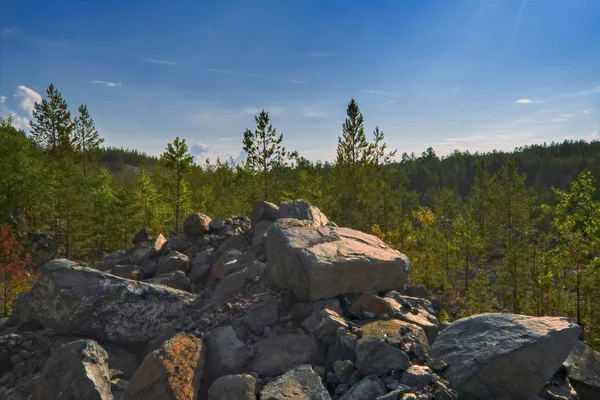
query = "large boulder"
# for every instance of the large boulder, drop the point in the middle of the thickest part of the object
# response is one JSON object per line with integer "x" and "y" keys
{"x": 278, "y": 354}
{"x": 262, "y": 314}
{"x": 584, "y": 364}
{"x": 301, "y": 383}
{"x": 226, "y": 354}
{"x": 174, "y": 261}
{"x": 196, "y": 225}
{"x": 71, "y": 299}
{"x": 172, "y": 372}
{"x": 264, "y": 211}
{"x": 75, "y": 371}
{"x": 301, "y": 210}
{"x": 233, "y": 387}
{"x": 374, "y": 356}
{"x": 418, "y": 312}
{"x": 504, "y": 356}
{"x": 319, "y": 262}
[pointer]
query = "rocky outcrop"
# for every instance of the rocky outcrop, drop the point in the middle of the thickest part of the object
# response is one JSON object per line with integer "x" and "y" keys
{"x": 75, "y": 371}
{"x": 264, "y": 211}
{"x": 323, "y": 262}
{"x": 301, "y": 383}
{"x": 71, "y": 299}
{"x": 172, "y": 372}
{"x": 196, "y": 225}
{"x": 504, "y": 356}
{"x": 584, "y": 366}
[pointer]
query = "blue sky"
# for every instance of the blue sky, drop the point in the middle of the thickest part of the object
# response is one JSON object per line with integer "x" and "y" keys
{"x": 474, "y": 75}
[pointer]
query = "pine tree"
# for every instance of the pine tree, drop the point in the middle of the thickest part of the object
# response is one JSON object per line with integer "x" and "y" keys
{"x": 178, "y": 158}
{"x": 265, "y": 151}
{"x": 51, "y": 126}
{"x": 86, "y": 137}
{"x": 353, "y": 147}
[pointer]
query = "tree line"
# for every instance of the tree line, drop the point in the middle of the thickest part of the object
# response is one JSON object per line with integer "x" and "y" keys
{"x": 498, "y": 231}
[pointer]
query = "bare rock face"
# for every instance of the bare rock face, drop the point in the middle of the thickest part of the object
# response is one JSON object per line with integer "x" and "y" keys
{"x": 172, "y": 372}
{"x": 278, "y": 354}
{"x": 71, "y": 299}
{"x": 301, "y": 210}
{"x": 301, "y": 383}
{"x": 75, "y": 371}
{"x": 233, "y": 387}
{"x": 264, "y": 211}
{"x": 321, "y": 262}
{"x": 504, "y": 356}
{"x": 196, "y": 225}
{"x": 584, "y": 364}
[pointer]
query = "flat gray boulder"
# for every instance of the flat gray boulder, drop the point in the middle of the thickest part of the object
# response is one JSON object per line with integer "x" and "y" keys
{"x": 75, "y": 371}
{"x": 76, "y": 300}
{"x": 321, "y": 262}
{"x": 263, "y": 211}
{"x": 584, "y": 364}
{"x": 300, "y": 209}
{"x": 279, "y": 354}
{"x": 504, "y": 356}
{"x": 299, "y": 383}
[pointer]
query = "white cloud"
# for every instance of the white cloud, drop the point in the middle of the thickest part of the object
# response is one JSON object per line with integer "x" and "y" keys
{"x": 199, "y": 148}
{"x": 2, "y": 99}
{"x": 586, "y": 111}
{"x": 524, "y": 101}
{"x": 19, "y": 121}
{"x": 592, "y": 137}
{"x": 390, "y": 102}
{"x": 107, "y": 83}
{"x": 27, "y": 98}
{"x": 154, "y": 61}
{"x": 382, "y": 93}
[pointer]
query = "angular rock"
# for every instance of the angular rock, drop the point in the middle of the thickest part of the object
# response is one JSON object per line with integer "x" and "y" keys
{"x": 417, "y": 377}
{"x": 230, "y": 286}
{"x": 175, "y": 280}
{"x": 235, "y": 242}
{"x": 233, "y": 387}
{"x": 395, "y": 331}
{"x": 301, "y": 383}
{"x": 109, "y": 260}
{"x": 71, "y": 299}
{"x": 323, "y": 262}
{"x": 126, "y": 271}
{"x": 263, "y": 211}
{"x": 374, "y": 356}
{"x": 237, "y": 264}
{"x": 77, "y": 370}
{"x": 198, "y": 271}
{"x": 584, "y": 365}
{"x": 204, "y": 257}
{"x": 145, "y": 250}
{"x": 226, "y": 354}
{"x": 417, "y": 316}
{"x": 260, "y": 233}
{"x": 196, "y": 225}
{"x": 174, "y": 261}
{"x": 309, "y": 314}
{"x": 156, "y": 342}
{"x": 262, "y": 314}
{"x": 505, "y": 356}
{"x": 343, "y": 370}
{"x": 141, "y": 236}
{"x": 368, "y": 388}
{"x": 278, "y": 354}
{"x": 368, "y": 302}
{"x": 216, "y": 225}
{"x": 327, "y": 330}
{"x": 173, "y": 371}
{"x": 301, "y": 210}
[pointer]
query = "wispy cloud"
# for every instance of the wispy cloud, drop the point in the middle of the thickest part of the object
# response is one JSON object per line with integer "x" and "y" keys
{"x": 299, "y": 82}
{"x": 107, "y": 83}
{"x": 382, "y": 93}
{"x": 390, "y": 102}
{"x": 587, "y": 111}
{"x": 226, "y": 138}
{"x": 27, "y": 98}
{"x": 563, "y": 117}
{"x": 524, "y": 101}
{"x": 2, "y": 99}
{"x": 155, "y": 61}
{"x": 236, "y": 73}
{"x": 322, "y": 54}
{"x": 8, "y": 31}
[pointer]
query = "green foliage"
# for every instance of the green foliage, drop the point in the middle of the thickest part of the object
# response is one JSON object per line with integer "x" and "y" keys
{"x": 51, "y": 127}
{"x": 86, "y": 139}
{"x": 178, "y": 159}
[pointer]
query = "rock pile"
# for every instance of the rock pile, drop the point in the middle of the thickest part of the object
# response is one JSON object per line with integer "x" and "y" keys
{"x": 286, "y": 306}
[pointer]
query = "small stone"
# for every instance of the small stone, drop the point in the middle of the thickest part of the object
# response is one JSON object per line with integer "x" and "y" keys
{"x": 344, "y": 370}
{"x": 417, "y": 377}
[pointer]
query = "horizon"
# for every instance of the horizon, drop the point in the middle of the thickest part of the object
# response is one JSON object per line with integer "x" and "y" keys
{"x": 476, "y": 76}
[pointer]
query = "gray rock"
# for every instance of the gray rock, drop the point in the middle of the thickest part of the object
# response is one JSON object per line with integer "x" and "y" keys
{"x": 126, "y": 271}
{"x": 343, "y": 370}
{"x": 141, "y": 236}
{"x": 196, "y": 225}
{"x": 254, "y": 270}
{"x": 174, "y": 261}
{"x": 278, "y": 354}
{"x": 235, "y": 242}
{"x": 374, "y": 356}
{"x": 175, "y": 280}
{"x": 584, "y": 365}
{"x": 327, "y": 330}
{"x": 416, "y": 314}
{"x": 230, "y": 286}
{"x": 417, "y": 377}
{"x": 216, "y": 225}
{"x": 262, "y": 314}
{"x": 299, "y": 383}
{"x": 226, "y": 354}
{"x": 233, "y": 387}
{"x": 173, "y": 371}
{"x": 71, "y": 299}
{"x": 121, "y": 359}
{"x": 198, "y": 271}
{"x": 369, "y": 303}
{"x": 260, "y": 233}
{"x": 505, "y": 356}
{"x": 156, "y": 342}
{"x": 76, "y": 371}
{"x": 368, "y": 388}
{"x": 264, "y": 211}
{"x": 309, "y": 314}
{"x": 203, "y": 257}
{"x": 323, "y": 262}
{"x": 301, "y": 210}
{"x": 145, "y": 250}
{"x": 109, "y": 260}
